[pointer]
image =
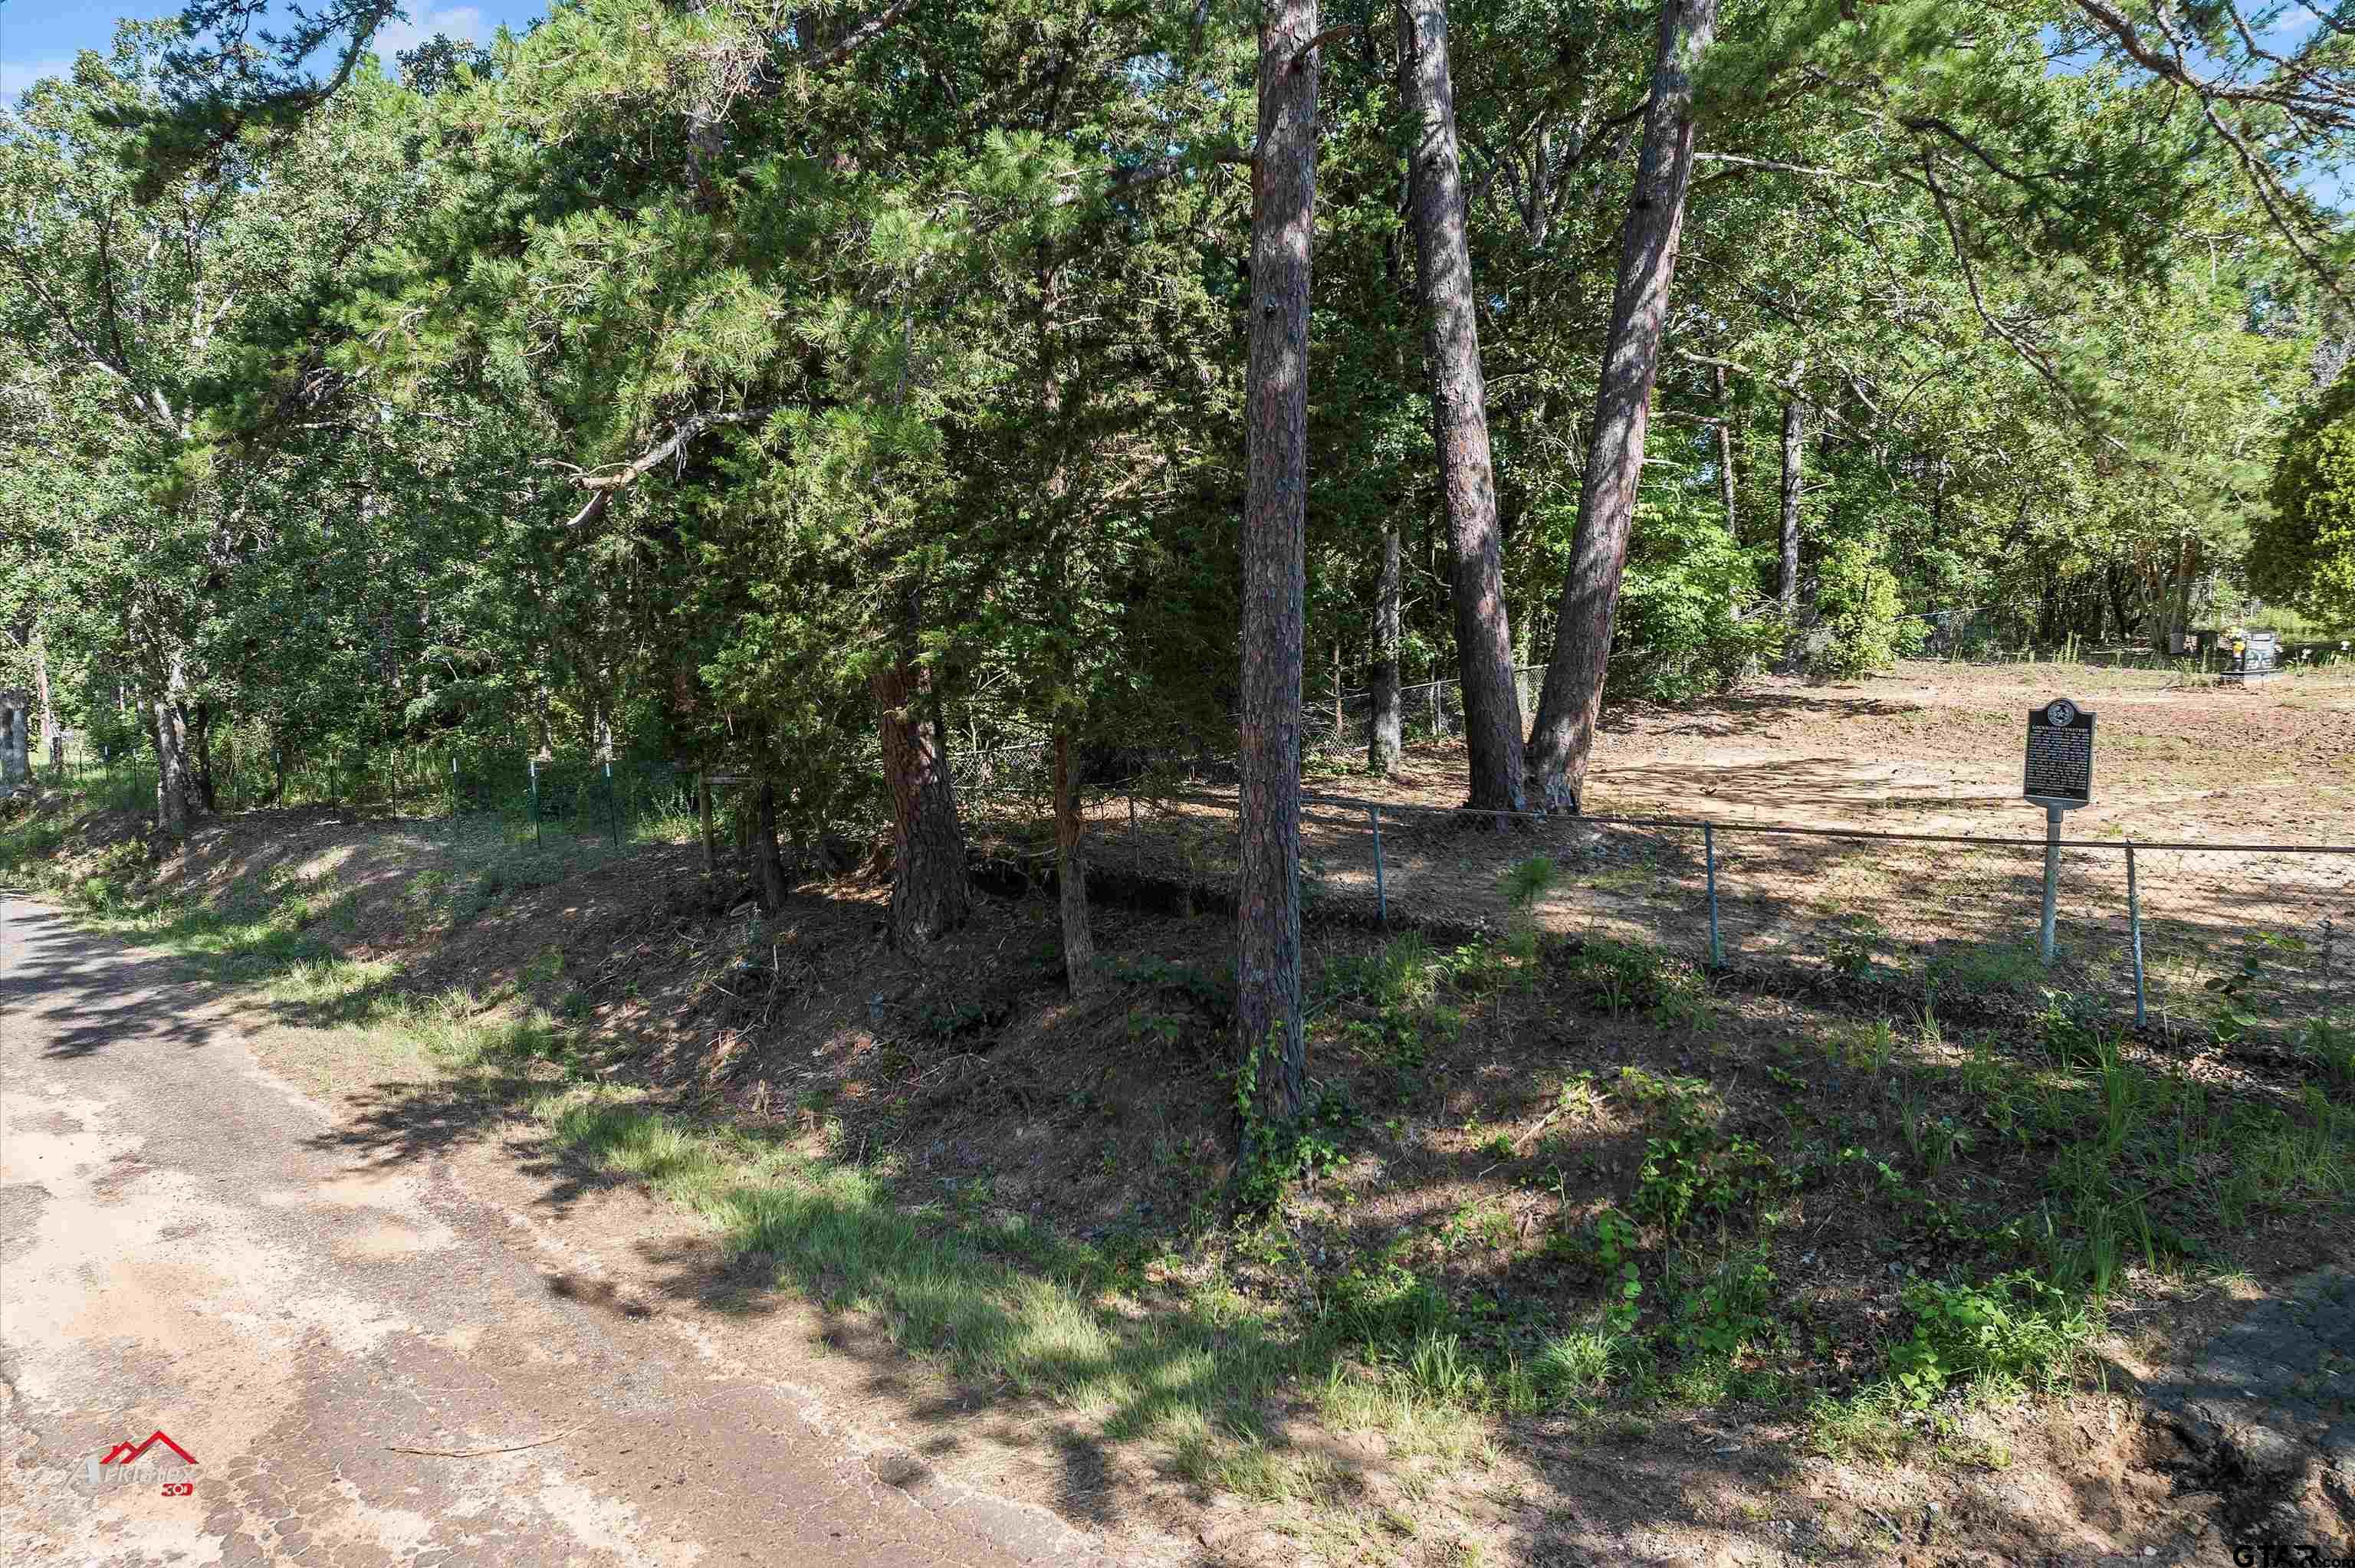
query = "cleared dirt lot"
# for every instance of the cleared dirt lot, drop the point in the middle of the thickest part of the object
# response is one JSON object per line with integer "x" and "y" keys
{"x": 1930, "y": 748}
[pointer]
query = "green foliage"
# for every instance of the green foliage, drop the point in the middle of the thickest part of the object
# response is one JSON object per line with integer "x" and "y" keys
{"x": 1693, "y": 1174}
{"x": 1680, "y": 632}
{"x": 1386, "y": 1305}
{"x": 1616, "y": 1253}
{"x": 1618, "y": 975}
{"x": 1861, "y": 613}
{"x": 2014, "y": 1327}
{"x": 2303, "y": 551}
{"x": 1279, "y": 1153}
{"x": 1730, "y": 1312}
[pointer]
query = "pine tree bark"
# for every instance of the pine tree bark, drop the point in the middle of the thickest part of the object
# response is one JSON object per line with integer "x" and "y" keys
{"x": 200, "y": 755}
{"x": 1795, "y": 457}
{"x": 1070, "y": 866}
{"x": 1071, "y": 876}
{"x": 1459, "y": 413}
{"x": 930, "y": 895}
{"x": 52, "y": 741}
{"x": 1572, "y": 702}
{"x": 2187, "y": 565}
{"x": 1275, "y": 396}
{"x": 177, "y": 804}
{"x": 775, "y": 884}
{"x": 1385, "y": 737}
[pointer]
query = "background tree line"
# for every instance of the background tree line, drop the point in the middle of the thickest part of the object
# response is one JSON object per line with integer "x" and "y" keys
{"x": 806, "y": 391}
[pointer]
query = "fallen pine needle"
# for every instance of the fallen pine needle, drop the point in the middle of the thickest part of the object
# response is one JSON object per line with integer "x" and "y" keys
{"x": 478, "y": 1453}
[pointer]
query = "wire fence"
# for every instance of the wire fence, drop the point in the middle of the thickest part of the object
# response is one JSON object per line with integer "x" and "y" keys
{"x": 2230, "y": 939}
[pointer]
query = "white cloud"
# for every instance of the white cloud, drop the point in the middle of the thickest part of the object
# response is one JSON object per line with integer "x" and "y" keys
{"x": 462, "y": 24}
{"x": 15, "y": 75}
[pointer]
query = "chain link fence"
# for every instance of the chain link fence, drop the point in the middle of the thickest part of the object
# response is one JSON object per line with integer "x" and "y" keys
{"x": 2231, "y": 940}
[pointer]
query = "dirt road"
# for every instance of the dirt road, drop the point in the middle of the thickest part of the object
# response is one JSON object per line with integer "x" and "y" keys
{"x": 186, "y": 1248}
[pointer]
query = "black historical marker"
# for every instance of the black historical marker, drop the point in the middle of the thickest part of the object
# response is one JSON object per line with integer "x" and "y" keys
{"x": 2059, "y": 755}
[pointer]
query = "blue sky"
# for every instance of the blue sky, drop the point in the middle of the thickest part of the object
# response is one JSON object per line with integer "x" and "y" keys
{"x": 40, "y": 38}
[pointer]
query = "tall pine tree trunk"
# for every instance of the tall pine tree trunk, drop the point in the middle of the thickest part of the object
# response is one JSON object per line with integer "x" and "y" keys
{"x": 1071, "y": 876}
{"x": 1070, "y": 865}
{"x": 1384, "y": 726}
{"x": 200, "y": 755}
{"x": 1459, "y": 412}
{"x": 177, "y": 802}
{"x": 1563, "y": 740}
{"x": 53, "y": 741}
{"x": 1275, "y": 399}
{"x": 1795, "y": 457}
{"x": 773, "y": 883}
{"x": 929, "y": 897}
{"x": 2179, "y": 609}
{"x": 1725, "y": 457}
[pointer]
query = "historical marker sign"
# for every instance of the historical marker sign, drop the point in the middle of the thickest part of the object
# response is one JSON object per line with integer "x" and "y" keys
{"x": 2059, "y": 755}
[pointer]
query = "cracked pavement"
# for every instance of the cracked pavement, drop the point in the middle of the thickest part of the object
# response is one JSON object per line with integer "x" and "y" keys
{"x": 185, "y": 1248}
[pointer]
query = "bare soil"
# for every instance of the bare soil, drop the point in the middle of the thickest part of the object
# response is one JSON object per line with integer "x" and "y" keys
{"x": 2218, "y": 786}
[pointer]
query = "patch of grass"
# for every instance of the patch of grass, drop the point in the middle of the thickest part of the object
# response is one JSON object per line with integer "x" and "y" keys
{"x": 1010, "y": 1306}
{"x": 1405, "y": 973}
{"x": 1867, "y": 1426}
{"x": 1622, "y": 976}
{"x": 1962, "y": 969}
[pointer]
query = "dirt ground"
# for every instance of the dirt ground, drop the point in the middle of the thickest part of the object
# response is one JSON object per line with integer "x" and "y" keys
{"x": 1936, "y": 748}
{"x": 2190, "y": 773}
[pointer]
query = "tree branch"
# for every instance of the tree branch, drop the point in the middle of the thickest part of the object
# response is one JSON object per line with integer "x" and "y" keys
{"x": 1161, "y": 168}
{"x": 867, "y": 32}
{"x": 1741, "y": 161}
{"x": 602, "y": 486}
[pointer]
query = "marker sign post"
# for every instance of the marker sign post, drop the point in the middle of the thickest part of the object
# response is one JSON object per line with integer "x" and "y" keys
{"x": 2060, "y": 777}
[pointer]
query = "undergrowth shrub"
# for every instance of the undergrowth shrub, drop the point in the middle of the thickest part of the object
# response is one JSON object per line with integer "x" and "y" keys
{"x": 2014, "y": 1327}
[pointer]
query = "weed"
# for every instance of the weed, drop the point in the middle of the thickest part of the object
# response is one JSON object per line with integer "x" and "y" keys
{"x": 2013, "y": 1327}
{"x": 1678, "y": 1103}
{"x": 1982, "y": 968}
{"x": 1528, "y": 881}
{"x": 1867, "y": 1426}
{"x": 1386, "y": 1305}
{"x": 1730, "y": 1312}
{"x": 1615, "y": 1248}
{"x": 1404, "y": 974}
{"x": 1851, "y": 947}
{"x": 1577, "y": 1362}
{"x": 1691, "y": 1175}
{"x": 2330, "y": 1045}
{"x": 1617, "y": 976}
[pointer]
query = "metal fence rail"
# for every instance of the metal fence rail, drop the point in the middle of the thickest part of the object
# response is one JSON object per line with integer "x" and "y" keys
{"x": 2228, "y": 939}
{"x": 2232, "y": 939}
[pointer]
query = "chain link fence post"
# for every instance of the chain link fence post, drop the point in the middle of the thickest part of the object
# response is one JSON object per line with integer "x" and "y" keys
{"x": 2327, "y": 1009}
{"x": 1709, "y": 855}
{"x": 1381, "y": 898}
{"x": 2134, "y": 934}
{"x": 532, "y": 763}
